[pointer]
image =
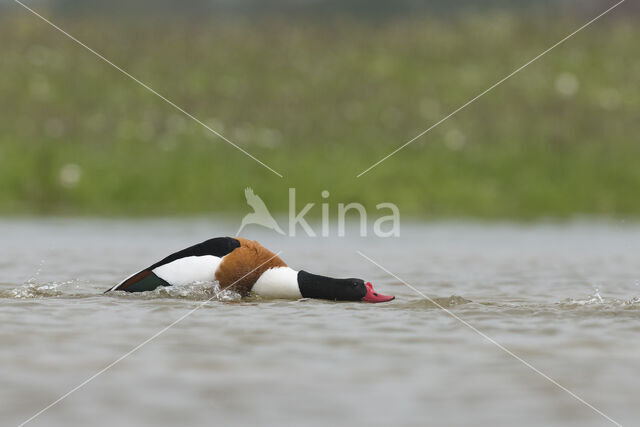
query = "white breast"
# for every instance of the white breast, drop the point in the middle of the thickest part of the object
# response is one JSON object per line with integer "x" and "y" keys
{"x": 188, "y": 270}
{"x": 279, "y": 282}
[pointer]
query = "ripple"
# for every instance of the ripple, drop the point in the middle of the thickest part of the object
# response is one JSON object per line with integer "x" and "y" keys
{"x": 434, "y": 302}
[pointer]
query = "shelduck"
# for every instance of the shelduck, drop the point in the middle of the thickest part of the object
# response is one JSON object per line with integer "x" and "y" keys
{"x": 246, "y": 267}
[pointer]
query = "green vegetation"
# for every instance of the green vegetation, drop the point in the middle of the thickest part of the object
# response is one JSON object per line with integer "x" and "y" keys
{"x": 321, "y": 102}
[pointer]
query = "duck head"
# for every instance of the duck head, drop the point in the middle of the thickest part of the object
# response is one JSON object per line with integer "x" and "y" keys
{"x": 316, "y": 286}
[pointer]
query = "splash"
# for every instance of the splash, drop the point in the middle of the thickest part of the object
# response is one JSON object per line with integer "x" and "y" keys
{"x": 598, "y": 300}
{"x": 39, "y": 290}
{"x": 195, "y": 291}
{"x": 32, "y": 289}
{"x": 77, "y": 288}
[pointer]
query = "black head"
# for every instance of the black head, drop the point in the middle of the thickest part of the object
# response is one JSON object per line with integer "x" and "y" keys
{"x": 316, "y": 286}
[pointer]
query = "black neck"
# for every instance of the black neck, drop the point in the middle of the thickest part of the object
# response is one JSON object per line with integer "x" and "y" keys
{"x": 316, "y": 286}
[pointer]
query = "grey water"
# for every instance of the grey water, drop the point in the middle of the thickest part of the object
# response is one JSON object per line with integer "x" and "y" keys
{"x": 565, "y": 298}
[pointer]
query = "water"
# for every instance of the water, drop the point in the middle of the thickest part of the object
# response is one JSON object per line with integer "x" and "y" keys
{"x": 563, "y": 297}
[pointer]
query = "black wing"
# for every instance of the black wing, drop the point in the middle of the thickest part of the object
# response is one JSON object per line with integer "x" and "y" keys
{"x": 146, "y": 280}
{"x": 220, "y": 246}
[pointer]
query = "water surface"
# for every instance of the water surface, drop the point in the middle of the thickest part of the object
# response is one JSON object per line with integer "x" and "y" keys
{"x": 563, "y": 297}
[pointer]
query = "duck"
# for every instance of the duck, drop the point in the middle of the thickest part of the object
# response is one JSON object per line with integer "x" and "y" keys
{"x": 246, "y": 267}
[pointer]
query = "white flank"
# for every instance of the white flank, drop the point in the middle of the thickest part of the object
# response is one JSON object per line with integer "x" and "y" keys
{"x": 185, "y": 271}
{"x": 279, "y": 282}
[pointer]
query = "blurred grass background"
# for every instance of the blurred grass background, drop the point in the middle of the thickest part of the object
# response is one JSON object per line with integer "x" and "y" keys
{"x": 320, "y": 101}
